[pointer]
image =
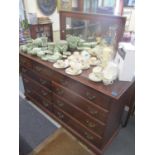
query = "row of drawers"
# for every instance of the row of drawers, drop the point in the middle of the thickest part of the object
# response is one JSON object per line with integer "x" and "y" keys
{"x": 86, "y": 92}
{"x": 78, "y": 101}
{"x": 56, "y": 109}
{"x": 90, "y": 122}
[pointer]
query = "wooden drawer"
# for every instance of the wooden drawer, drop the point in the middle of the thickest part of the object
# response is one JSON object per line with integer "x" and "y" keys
{"x": 94, "y": 125}
{"x": 46, "y": 93}
{"x": 80, "y": 102}
{"x": 39, "y": 99}
{"x": 40, "y": 79}
{"x": 42, "y": 70}
{"x": 85, "y": 91}
{"x": 25, "y": 61}
{"x": 76, "y": 126}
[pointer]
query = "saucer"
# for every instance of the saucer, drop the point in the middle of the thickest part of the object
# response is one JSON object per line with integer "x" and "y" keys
{"x": 69, "y": 71}
{"x": 60, "y": 67}
{"x": 92, "y": 77}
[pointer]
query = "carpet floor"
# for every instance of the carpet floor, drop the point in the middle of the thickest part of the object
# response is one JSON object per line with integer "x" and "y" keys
{"x": 33, "y": 127}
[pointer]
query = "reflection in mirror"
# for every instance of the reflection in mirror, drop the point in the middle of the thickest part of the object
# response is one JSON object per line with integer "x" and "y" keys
{"x": 92, "y": 30}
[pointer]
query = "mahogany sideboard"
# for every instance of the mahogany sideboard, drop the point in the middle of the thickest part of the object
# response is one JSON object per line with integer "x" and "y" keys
{"x": 90, "y": 111}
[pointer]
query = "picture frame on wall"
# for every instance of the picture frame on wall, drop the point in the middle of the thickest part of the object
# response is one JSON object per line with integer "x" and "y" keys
{"x": 64, "y": 5}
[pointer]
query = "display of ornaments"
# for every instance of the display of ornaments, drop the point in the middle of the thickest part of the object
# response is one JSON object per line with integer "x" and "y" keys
{"x": 99, "y": 57}
{"x": 107, "y": 75}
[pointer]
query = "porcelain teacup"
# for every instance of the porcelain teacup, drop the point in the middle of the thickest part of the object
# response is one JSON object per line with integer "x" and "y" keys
{"x": 92, "y": 60}
{"x": 75, "y": 67}
{"x": 60, "y": 63}
{"x": 98, "y": 72}
{"x": 107, "y": 80}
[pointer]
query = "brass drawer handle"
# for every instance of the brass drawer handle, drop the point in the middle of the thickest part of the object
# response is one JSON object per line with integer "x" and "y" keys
{"x": 59, "y": 103}
{"x": 64, "y": 82}
{"x": 45, "y": 104}
{"x": 88, "y": 136}
{"x": 92, "y": 111}
{"x": 90, "y": 97}
{"x": 38, "y": 68}
{"x": 59, "y": 91}
{"x": 42, "y": 81}
{"x": 26, "y": 80}
{"x": 90, "y": 124}
{"x": 61, "y": 116}
{"x": 44, "y": 93}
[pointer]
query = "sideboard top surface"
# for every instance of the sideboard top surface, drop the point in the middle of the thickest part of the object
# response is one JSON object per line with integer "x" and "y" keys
{"x": 115, "y": 90}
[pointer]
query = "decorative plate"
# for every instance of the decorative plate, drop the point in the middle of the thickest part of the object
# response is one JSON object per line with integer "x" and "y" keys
{"x": 47, "y": 7}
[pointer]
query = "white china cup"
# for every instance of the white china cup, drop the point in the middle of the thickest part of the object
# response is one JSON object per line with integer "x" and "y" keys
{"x": 98, "y": 72}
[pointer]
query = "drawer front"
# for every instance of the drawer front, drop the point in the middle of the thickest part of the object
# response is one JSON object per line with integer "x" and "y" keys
{"x": 81, "y": 103}
{"x": 85, "y": 91}
{"x": 75, "y": 126}
{"x": 41, "y": 101}
{"x": 42, "y": 80}
{"x": 25, "y": 62}
{"x": 37, "y": 88}
{"x": 42, "y": 70}
{"x": 79, "y": 115}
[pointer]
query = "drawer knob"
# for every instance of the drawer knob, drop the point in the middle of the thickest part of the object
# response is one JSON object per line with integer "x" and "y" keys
{"x": 38, "y": 68}
{"x": 59, "y": 91}
{"x": 59, "y": 103}
{"x": 90, "y": 124}
{"x": 90, "y": 97}
{"x": 64, "y": 82}
{"x": 61, "y": 116}
{"x": 44, "y": 93}
{"x": 92, "y": 111}
{"x": 43, "y": 81}
{"x": 88, "y": 136}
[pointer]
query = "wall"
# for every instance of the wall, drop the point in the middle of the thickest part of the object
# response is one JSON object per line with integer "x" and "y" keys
{"x": 31, "y": 7}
